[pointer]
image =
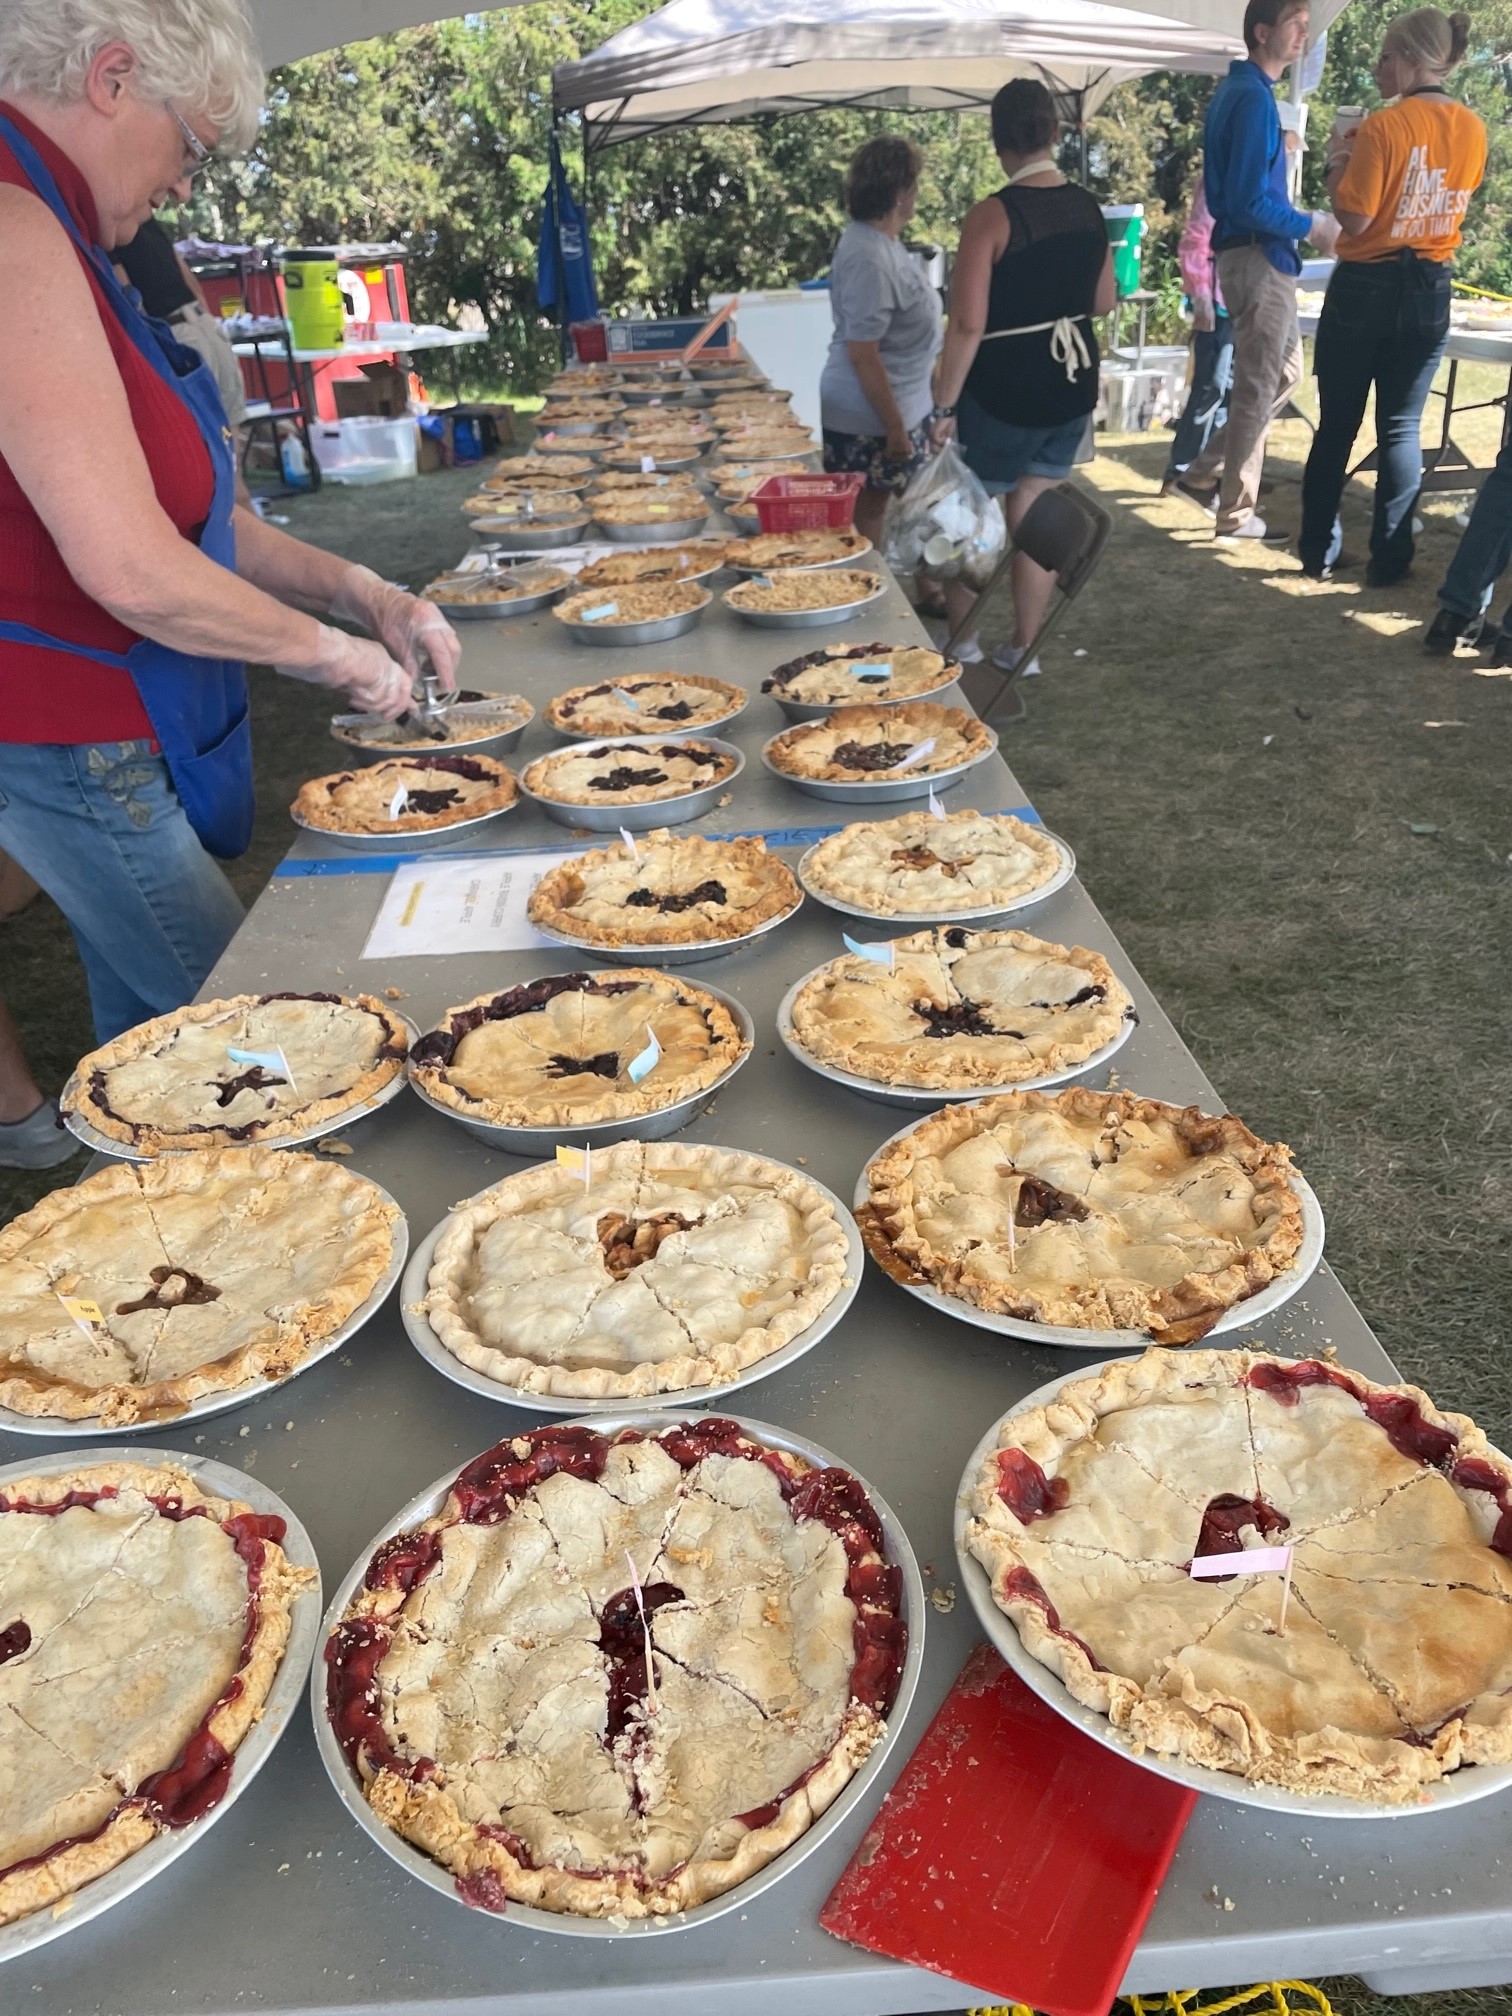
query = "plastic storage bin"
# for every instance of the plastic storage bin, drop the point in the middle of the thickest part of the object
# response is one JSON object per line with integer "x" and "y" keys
{"x": 807, "y": 502}
{"x": 1126, "y": 230}
{"x": 366, "y": 449}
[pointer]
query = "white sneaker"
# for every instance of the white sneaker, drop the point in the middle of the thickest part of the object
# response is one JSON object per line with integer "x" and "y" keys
{"x": 968, "y": 650}
{"x": 1254, "y": 527}
{"x": 1006, "y": 659}
{"x": 40, "y": 1141}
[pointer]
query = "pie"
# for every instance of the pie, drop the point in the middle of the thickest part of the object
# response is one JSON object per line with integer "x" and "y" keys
{"x": 654, "y": 563}
{"x": 735, "y": 485}
{"x": 439, "y": 791}
{"x": 173, "y": 1082}
{"x": 531, "y": 482}
{"x": 618, "y": 1674}
{"x": 796, "y": 589}
{"x": 772, "y": 444}
{"x": 612, "y": 481}
{"x": 798, "y": 549}
{"x": 511, "y": 584}
{"x": 672, "y": 890}
{"x": 919, "y": 866}
{"x": 1394, "y": 1666}
{"x": 640, "y": 602}
{"x": 663, "y": 702}
{"x": 627, "y": 773}
{"x": 662, "y": 507}
{"x": 471, "y": 717}
{"x": 660, "y": 455}
{"x": 1088, "y": 1210}
{"x": 553, "y": 1053}
{"x": 850, "y": 675}
{"x": 962, "y": 1010}
{"x": 146, "y": 1621}
{"x": 858, "y": 745}
{"x": 557, "y": 469}
{"x": 209, "y": 1271}
{"x": 548, "y": 502}
{"x": 575, "y": 444}
{"x": 655, "y": 426}
{"x": 558, "y": 410}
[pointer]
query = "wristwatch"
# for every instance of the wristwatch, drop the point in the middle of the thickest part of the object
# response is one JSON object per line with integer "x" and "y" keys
{"x": 943, "y": 413}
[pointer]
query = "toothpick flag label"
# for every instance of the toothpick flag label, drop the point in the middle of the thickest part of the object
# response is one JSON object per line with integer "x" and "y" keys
{"x": 914, "y": 756}
{"x": 629, "y": 839}
{"x": 263, "y": 1060}
{"x": 648, "y": 465}
{"x": 879, "y": 955}
{"x": 399, "y": 802}
{"x": 599, "y": 611}
{"x": 873, "y": 670}
{"x": 82, "y": 1311}
{"x": 936, "y": 809}
{"x": 577, "y": 1161}
{"x": 644, "y": 1062}
{"x": 1247, "y": 1561}
{"x": 628, "y": 699}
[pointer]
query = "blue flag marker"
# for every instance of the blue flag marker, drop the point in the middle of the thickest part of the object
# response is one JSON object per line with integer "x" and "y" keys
{"x": 265, "y": 1060}
{"x": 646, "y": 1061}
{"x": 879, "y": 955}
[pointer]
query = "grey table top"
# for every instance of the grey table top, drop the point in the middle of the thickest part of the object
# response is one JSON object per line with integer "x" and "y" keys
{"x": 286, "y": 1906}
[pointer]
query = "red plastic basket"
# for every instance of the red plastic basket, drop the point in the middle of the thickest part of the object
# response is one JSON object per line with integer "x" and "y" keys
{"x": 806, "y": 502}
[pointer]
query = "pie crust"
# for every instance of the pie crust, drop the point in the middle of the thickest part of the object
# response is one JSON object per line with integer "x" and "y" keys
{"x": 169, "y": 1083}
{"x": 1395, "y": 1665}
{"x": 859, "y": 745}
{"x": 145, "y": 1624}
{"x": 472, "y": 717}
{"x": 827, "y": 677}
{"x": 796, "y": 589}
{"x": 628, "y": 772}
{"x": 613, "y": 482}
{"x": 1129, "y": 1214}
{"x": 771, "y": 444}
{"x": 674, "y": 890}
{"x": 798, "y": 549}
{"x": 442, "y": 791}
{"x": 575, "y": 444}
{"x": 655, "y": 563}
{"x": 961, "y": 1010}
{"x": 915, "y": 865}
{"x": 666, "y": 703}
{"x": 556, "y": 1052}
{"x": 603, "y": 407}
{"x": 210, "y": 1271}
{"x": 490, "y": 1687}
{"x": 513, "y": 586}
{"x": 557, "y": 506}
{"x": 558, "y": 468}
{"x": 556, "y": 486}
{"x": 663, "y": 507}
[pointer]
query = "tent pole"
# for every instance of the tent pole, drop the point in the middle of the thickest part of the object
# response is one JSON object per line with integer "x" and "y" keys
{"x": 1082, "y": 129}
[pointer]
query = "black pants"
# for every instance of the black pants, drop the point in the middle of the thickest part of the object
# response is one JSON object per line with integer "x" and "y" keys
{"x": 1385, "y": 325}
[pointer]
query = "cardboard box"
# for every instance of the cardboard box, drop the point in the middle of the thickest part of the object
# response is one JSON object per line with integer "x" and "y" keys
{"x": 381, "y": 393}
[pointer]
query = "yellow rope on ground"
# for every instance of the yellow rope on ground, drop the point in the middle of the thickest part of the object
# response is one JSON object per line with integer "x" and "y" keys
{"x": 1266, "y": 1998}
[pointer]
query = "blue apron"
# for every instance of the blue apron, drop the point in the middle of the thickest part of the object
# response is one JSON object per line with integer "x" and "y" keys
{"x": 197, "y": 706}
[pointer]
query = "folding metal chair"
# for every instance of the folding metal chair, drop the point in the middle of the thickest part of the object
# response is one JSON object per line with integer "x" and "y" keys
{"x": 1064, "y": 531}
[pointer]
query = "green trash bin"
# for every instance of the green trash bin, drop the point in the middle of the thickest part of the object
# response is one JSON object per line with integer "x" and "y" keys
{"x": 1126, "y": 228}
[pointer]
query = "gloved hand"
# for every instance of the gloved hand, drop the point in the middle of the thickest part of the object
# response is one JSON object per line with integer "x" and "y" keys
{"x": 1325, "y": 231}
{"x": 415, "y": 632}
{"x": 373, "y": 682}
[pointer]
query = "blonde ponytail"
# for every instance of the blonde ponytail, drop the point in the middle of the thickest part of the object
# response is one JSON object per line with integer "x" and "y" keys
{"x": 1430, "y": 39}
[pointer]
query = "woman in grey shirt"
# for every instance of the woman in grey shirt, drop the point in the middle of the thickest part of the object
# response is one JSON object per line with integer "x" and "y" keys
{"x": 874, "y": 396}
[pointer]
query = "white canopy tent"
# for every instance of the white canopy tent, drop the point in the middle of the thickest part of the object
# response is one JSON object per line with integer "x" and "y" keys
{"x": 290, "y": 28}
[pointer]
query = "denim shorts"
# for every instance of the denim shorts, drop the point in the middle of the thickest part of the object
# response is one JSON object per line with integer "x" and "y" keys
{"x": 999, "y": 454}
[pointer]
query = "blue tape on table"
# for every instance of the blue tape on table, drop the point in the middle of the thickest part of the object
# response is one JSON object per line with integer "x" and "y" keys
{"x": 291, "y": 869}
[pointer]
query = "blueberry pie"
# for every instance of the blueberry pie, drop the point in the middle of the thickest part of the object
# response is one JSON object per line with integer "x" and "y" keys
{"x": 861, "y": 745}
{"x": 670, "y": 891}
{"x": 438, "y": 791}
{"x": 628, "y": 773}
{"x": 646, "y": 703}
{"x": 858, "y": 675}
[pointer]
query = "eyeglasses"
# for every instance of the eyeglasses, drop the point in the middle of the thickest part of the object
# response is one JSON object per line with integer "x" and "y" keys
{"x": 196, "y": 154}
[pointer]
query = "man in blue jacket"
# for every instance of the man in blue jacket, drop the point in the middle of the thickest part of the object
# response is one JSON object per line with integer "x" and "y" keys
{"x": 1255, "y": 233}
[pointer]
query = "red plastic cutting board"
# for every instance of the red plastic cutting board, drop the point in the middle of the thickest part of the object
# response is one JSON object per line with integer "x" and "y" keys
{"x": 1014, "y": 1854}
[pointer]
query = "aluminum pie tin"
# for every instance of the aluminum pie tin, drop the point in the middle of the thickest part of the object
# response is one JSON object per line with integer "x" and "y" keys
{"x": 676, "y": 392}
{"x": 643, "y": 818}
{"x": 494, "y": 612}
{"x": 896, "y": 922}
{"x": 39, "y": 1928}
{"x": 399, "y": 842}
{"x": 104, "y": 1144}
{"x": 418, "y": 1329}
{"x": 530, "y": 535}
{"x": 886, "y": 790}
{"x": 1069, "y": 1338}
{"x": 810, "y": 566}
{"x": 1460, "y": 1788}
{"x": 653, "y": 531}
{"x": 925, "y": 1098}
{"x": 671, "y": 955}
{"x": 671, "y": 732}
{"x": 821, "y": 710}
{"x": 499, "y": 742}
{"x": 804, "y": 619}
{"x": 537, "y": 1143}
{"x": 651, "y": 630}
{"x": 609, "y": 587}
{"x": 566, "y": 429}
{"x": 52, "y": 1428}
{"x": 529, "y": 1917}
{"x": 743, "y": 521}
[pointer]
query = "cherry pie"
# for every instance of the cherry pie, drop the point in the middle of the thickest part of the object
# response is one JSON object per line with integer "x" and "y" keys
{"x": 439, "y": 791}
{"x": 628, "y": 773}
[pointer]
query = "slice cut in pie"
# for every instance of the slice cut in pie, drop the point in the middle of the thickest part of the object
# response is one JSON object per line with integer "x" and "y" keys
{"x": 798, "y": 549}
{"x": 436, "y": 791}
{"x": 183, "y": 1080}
{"x": 557, "y": 1052}
{"x": 672, "y": 890}
{"x": 962, "y": 1010}
{"x": 628, "y": 773}
{"x": 855, "y": 675}
{"x": 145, "y": 1621}
{"x": 864, "y": 745}
{"x": 618, "y": 1674}
{"x": 918, "y": 865}
{"x": 1381, "y": 1664}
{"x": 1089, "y": 1210}
{"x": 151, "y": 1284}
{"x": 646, "y": 703}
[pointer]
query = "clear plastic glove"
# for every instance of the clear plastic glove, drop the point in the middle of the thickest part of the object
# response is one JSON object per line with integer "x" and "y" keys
{"x": 415, "y": 632}
{"x": 372, "y": 681}
{"x": 1325, "y": 231}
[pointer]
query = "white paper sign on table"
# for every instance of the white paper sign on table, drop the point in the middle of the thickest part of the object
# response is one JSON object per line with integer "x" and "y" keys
{"x": 472, "y": 903}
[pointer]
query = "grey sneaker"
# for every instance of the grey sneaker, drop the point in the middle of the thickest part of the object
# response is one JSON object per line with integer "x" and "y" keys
{"x": 40, "y": 1141}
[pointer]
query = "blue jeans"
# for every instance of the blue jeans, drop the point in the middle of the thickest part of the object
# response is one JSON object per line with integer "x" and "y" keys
{"x": 99, "y": 825}
{"x": 1205, "y": 415}
{"x": 1484, "y": 552}
{"x": 1383, "y": 324}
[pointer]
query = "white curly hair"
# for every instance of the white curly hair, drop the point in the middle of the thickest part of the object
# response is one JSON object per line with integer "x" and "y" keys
{"x": 200, "y": 53}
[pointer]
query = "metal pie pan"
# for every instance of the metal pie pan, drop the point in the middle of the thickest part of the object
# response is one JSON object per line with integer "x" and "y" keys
{"x": 524, "y": 535}
{"x": 104, "y": 1144}
{"x": 901, "y": 921}
{"x": 643, "y": 818}
{"x": 811, "y": 566}
{"x": 400, "y": 842}
{"x": 1460, "y": 1788}
{"x": 670, "y": 955}
{"x": 528, "y": 1917}
{"x": 434, "y": 1352}
{"x": 651, "y": 630}
{"x": 821, "y": 710}
{"x": 886, "y": 791}
{"x": 566, "y": 429}
{"x": 39, "y": 1928}
{"x": 628, "y": 463}
{"x": 653, "y": 531}
{"x": 671, "y": 733}
{"x": 497, "y": 612}
{"x": 921, "y": 1098}
{"x": 537, "y": 1143}
{"x": 501, "y": 743}
{"x": 803, "y": 619}
{"x": 1064, "y": 1336}
{"x": 672, "y": 392}
{"x": 746, "y": 522}
{"x": 54, "y": 1428}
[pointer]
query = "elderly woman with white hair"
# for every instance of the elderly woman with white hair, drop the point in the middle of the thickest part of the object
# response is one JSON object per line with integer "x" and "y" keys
{"x": 132, "y": 586}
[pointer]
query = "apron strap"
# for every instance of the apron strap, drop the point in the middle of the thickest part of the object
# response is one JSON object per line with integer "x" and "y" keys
{"x": 23, "y": 633}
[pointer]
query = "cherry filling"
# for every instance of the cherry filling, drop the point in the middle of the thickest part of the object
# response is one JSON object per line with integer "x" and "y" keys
{"x": 1474, "y": 1473}
{"x": 1398, "y": 1415}
{"x": 354, "y": 1651}
{"x": 1089, "y": 993}
{"x": 622, "y": 1640}
{"x": 14, "y": 1640}
{"x": 1224, "y": 1519}
{"x": 623, "y": 778}
{"x": 871, "y": 755}
{"x": 1025, "y": 1489}
{"x": 1019, "y": 1582}
{"x": 678, "y": 900}
{"x": 483, "y": 1891}
{"x": 172, "y": 1288}
{"x": 604, "y": 1065}
{"x": 253, "y": 1079}
{"x": 675, "y": 710}
{"x": 493, "y": 1483}
{"x": 439, "y": 1046}
{"x": 628, "y": 1243}
{"x": 403, "y": 1561}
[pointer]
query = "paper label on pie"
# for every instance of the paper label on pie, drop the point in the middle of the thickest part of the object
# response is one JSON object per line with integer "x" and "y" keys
{"x": 879, "y": 955}
{"x": 82, "y": 1311}
{"x": 399, "y": 802}
{"x": 579, "y": 1161}
{"x": 1248, "y": 1561}
{"x": 926, "y": 748}
{"x": 936, "y": 809}
{"x": 648, "y": 465}
{"x": 598, "y": 612}
{"x": 628, "y": 699}
{"x": 266, "y": 1060}
{"x": 644, "y": 1062}
{"x": 873, "y": 670}
{"x": 629, "y": 839}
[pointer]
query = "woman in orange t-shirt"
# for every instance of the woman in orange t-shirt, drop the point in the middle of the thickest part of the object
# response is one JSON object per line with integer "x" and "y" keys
{"x": 1401, "y": 182}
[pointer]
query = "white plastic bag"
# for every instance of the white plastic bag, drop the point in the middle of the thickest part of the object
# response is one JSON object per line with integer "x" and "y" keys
{"x": 945, "y": 523}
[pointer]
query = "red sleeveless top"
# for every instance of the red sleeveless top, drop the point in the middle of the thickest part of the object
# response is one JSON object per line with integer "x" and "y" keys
{"x": 52, "y": 696}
